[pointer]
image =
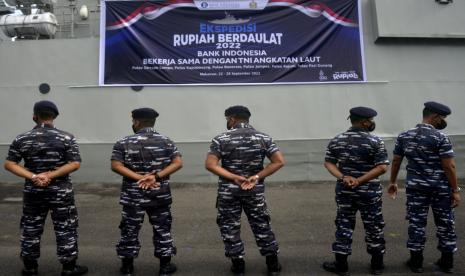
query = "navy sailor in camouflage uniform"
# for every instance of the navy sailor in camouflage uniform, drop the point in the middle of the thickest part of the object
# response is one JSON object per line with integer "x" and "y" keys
{"x": 146, "y": 160}
{"x": 357, "y": 158}
{"x": 431, "y": 181}
{"x": 49, "y": 155}
{"x": 241, "y": 186}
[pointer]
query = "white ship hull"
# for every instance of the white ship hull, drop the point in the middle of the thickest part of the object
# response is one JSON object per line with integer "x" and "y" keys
{"x": 301, "y": 118}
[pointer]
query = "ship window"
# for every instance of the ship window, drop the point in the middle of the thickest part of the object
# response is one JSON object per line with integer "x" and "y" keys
{"x": 44, "y": 88}
{"x": 137, "y": 88}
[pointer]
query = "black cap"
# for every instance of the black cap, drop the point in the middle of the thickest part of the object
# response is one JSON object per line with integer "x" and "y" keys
{"x": 45, "y": 106}
{"x": 144, "y": 113}
{"x": 237, "y": 110}
{"x": 362, "y": 112}
{"x": 438, "y": 108}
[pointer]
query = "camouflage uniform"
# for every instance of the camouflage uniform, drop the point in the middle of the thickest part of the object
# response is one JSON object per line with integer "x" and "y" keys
{"x": 356, "y": 152}
{"x": 43, "y": 149}
{"x": 145, "y": 152}
{"x": 242, "y": 151}
{"x": 427, "y": 185}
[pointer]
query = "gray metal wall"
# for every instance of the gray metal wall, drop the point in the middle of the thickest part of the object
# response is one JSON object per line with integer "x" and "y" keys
{"x": 402, "y": 75}
{"x": 419, "y": 18}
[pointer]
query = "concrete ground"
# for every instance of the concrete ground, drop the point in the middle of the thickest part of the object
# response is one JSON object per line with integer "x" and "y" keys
{"x": 302, "y": 218}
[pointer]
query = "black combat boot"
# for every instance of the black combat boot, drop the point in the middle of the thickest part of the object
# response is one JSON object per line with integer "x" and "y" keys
{"x": 30, "y": 267}
{"x": 238, "y": 266}
{"x": 377, "y": 264}
{"x": 127, "y": 266}
{"x": 273, "y": 265}
{"x": 415, "y": 263}
{"x": 72, "y": 269}
{"x": 340, "y": 266}
{"x": 446, "y": 262}
{"x": 166, "y": 266}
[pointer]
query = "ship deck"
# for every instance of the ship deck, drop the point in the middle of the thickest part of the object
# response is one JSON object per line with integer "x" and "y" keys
{"x": 302, "y": 218}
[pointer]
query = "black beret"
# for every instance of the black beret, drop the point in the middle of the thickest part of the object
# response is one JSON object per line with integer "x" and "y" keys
{"x": 438, "y": 108}
{"x": 46, "y": 106}
{"x": 363, "y": 112}
{"x": 237, "y": 110}
{"x": 144, "y": 113}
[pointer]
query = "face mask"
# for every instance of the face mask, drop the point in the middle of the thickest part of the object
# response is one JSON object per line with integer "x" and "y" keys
{"x": 372, "y": 127}
{"x": 441, "y": 125}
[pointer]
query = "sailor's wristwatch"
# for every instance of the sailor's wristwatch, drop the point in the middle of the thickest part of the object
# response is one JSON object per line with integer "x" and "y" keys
{"x": 457, "y": 190}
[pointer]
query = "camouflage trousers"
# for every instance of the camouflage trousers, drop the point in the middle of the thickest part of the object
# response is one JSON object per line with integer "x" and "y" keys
{"x": 229, "y": 220}
{"x": 131, "y": 223}
{"x": 65, "y": 222}
{"x": 369, "y": 204}
{"x": 418, "y": 203}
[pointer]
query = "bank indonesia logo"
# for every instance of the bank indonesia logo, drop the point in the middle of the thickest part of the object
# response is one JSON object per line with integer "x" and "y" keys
{"x": 204, "y": 5}
{"x": 351, "y": 75}
{"x": 323, "y": 77}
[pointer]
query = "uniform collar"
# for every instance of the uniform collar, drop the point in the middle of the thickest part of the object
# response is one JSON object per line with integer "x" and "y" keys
{"x": 44, "y": 126}
{"x": 242, "y": 125}
{"x": 357, "y": 129}
{"x": 424, "y": 125}
{"x": 145, "y": 129}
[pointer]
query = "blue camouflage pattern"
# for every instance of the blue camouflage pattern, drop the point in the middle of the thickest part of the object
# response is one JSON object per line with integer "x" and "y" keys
{"x": 43, "y": 149}
{"x": 427, "y": 185}
{"x": 145, "y": 152}
{"x": 229, "y": 217}
{"x": 242, "y": 151}
{"x": 131, "y": 223}
{"x": 356, "y": 152}
{"x": 418, "y": 202}
{"x": 424, "y": 146}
